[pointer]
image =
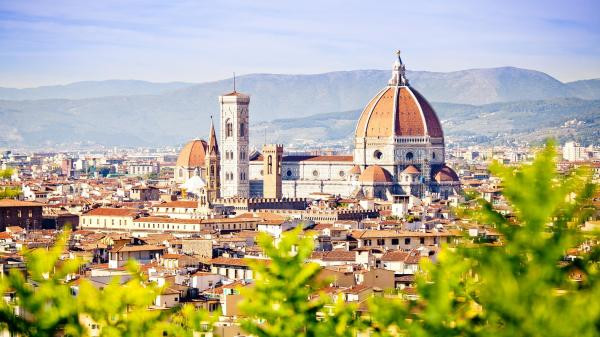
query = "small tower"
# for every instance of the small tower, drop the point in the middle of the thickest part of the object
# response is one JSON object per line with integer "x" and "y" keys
{"x": 234, "y": 145}
{"x": 213, "y": 166}
{"x": 272, "y": 156}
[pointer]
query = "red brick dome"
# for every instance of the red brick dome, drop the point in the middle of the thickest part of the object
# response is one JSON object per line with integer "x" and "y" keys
{"x": 192, "y": 154}
{"x": 446, "y": 174}
{"x": 375, "y": 174}
{"x": 398, "y": 110}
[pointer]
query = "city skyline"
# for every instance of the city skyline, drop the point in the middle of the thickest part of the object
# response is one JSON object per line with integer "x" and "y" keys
{"x": 44, "y": 44}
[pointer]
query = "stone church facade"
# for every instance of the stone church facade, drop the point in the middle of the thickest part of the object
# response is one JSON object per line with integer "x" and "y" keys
{"x": 398, "y": 149}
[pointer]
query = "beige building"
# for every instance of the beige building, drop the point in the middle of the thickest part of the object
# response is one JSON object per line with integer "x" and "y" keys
{"x": 273, "y": 154}
{"x": 108, "y": 218}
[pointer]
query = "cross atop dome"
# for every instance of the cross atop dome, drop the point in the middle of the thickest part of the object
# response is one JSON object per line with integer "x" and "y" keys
{"x": 398, "y": 73}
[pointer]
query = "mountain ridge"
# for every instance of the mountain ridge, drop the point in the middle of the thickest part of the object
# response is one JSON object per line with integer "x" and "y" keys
{"x": 174, "y": 115}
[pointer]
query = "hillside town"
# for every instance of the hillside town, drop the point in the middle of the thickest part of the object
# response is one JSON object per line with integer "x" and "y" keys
{"x": 191, "y": 215}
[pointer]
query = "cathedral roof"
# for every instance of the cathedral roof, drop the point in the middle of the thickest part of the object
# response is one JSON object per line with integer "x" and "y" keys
{"x": 375, "y": 174}
{"x": 355, "y": 170}
{"x": 398, "y": 110}
{"x": 446, "y": 174}
{"x": 411, "y": 170}
{"x": 193, "y": 154}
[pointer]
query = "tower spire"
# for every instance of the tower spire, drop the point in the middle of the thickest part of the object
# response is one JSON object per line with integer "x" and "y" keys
{"x": 213, "y": 147}
{"x": 398, "y": 73}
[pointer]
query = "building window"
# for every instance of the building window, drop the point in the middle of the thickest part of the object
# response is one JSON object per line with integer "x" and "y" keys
{"x": 315, "y": 173}
{"x": 407, "y": 241}
{"x": 289, "y": 173}
{"x": 381, "y": 242}
{"x": 377, "y": 154}
{"x": 242, "y": 130}
{"x": 367, "y": 242}
{"x": 422, "y": 240}
{"x": 342, "y": 174}
{"x": 395, "y": 241}
{"x": 270, "y": 164}
{"x": 228, "y": 128}
{"x": 409, "y": 156}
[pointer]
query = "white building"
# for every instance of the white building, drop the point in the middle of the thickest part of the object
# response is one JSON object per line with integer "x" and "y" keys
{"x": 574, "y": 152}
{"x": 235, "y": 173}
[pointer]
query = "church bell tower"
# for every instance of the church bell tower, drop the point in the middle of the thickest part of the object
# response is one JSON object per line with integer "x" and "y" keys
{"x": 234, "y": 144}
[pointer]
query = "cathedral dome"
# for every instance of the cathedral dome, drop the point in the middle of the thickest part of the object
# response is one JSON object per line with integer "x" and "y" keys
{"x": 355, "y": 170}
{"x": 192, "y": 154}
{"x": 411, "y": 170}
{"x": 446, "y": 174}
{"x": 398, "y": 110}
{"x": 375, "y": 174}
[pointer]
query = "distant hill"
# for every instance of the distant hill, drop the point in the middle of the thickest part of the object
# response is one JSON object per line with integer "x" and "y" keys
{"x": 533, "y": 121}
{"x": 90, "y": 89}
{"x": 588, "y": 89}
{"x": 144, "y": 113}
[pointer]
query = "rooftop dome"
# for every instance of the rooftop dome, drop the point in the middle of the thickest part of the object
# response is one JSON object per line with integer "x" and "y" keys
{"x": 355, "y": 170}
{"x": 192, "y": 154}
{"x": 375, "y": 174}
{"x": 446, "y": 174}
{"x": 398, "y": 110}
{"x": 411, "y": 170}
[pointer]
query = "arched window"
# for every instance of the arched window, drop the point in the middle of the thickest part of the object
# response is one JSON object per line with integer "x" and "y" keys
{"x": 409, "y": 156}
{"x": 228, "y": 128}
{"x": 377, "y": 154}
{"x": 212, "y": 170}
{"x": 270, "y": 164}
{"x": 242, "y": 130}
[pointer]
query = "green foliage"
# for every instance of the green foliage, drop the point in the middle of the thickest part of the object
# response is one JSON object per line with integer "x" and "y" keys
{"x": 48, "y": 307}
{"x": 522, "y": 287}
{"x": 46, "y": 303}
{"x": 7, "y": 192}
{"x": 285, "y": 299}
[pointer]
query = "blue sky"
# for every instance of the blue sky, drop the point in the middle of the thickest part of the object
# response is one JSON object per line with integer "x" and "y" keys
{"x": 57, "y": 42}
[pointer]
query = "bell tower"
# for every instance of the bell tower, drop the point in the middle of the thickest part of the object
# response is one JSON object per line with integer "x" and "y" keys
{"x": 272, "y": 156}
{"x": 213, "y": 166}
{"x": 234, "y": 144}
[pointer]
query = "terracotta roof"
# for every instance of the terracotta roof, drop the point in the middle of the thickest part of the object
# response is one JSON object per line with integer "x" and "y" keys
{"x": 395, "y": 255}
{"x": 398, "y": 111}
{"x": 238, "y": 94}
{"x": 375, "y": 174}
{"x": 138, "y": 248}
{"x": 355, "y": 170}
{"x": 192, "y": 154}
{"x": 340, "y": 255}
{"x": 112, "y": 212}
{"x": 18, "y": 203}
{"x": 446, "y": 174}
{"x": 411, "y": 170}
{"x": 180, "y": 204}
{"x": 229, "y": 261}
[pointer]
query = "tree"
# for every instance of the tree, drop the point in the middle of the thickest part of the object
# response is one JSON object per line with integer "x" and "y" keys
{"x": 285, "y": 299}
{"x": 46, "y": 304}
{"x": 523, "y": 287}
{"x": 8, "y": 191}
